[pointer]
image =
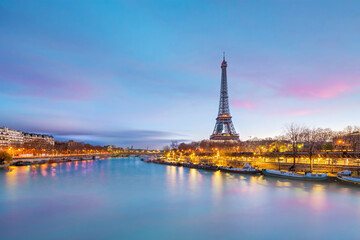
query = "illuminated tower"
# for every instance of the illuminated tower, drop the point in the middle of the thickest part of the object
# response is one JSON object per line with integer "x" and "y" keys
{"x": 224, "y": 128}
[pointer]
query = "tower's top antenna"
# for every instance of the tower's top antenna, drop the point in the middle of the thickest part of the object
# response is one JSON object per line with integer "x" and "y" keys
{"x": 224, "y": 56}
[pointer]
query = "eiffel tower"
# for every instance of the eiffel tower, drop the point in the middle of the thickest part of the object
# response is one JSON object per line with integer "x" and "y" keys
{"x": 224, "y": 127}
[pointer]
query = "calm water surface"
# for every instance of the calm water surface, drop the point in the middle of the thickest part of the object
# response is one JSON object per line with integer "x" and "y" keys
{"x": 124, "y": 198}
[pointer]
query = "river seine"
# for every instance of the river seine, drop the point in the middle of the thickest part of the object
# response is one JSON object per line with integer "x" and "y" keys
{"x": 125, "y": 198}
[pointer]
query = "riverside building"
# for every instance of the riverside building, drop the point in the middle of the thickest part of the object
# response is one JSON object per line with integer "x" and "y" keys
{"x": 348, "y": 142}
{"x": 15, "y": 138}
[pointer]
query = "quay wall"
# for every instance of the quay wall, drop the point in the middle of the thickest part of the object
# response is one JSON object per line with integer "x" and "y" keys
{"x": 41, "y": 158}
{"x": 302, "y": 165}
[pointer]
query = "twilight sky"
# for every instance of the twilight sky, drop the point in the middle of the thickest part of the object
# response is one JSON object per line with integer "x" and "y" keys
{"x": 145, "y": 72}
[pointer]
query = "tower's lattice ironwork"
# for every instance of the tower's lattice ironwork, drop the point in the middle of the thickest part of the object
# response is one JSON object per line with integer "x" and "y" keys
{"x": 224, "y": 127}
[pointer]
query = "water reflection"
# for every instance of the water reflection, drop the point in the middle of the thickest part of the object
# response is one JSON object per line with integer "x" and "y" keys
{"x": 21, "y": 175}
{"x": 181, "y": 175}
{"x": 53, "y": 169}
{"x": 33, "y": 171}
{"x": 76, "y": 165}
{"x": 171, "y": 179}
{"x": 11, "y": 177}
{"x": 168, "y": 201}
{"x": 217, "y": 185}
{"x": 43, "y": 170}
{"x": 195, "y": 180}
{"x": 317, "y": 199}
{"x": 262, "y": 181}
{"x": 283, "y": 184}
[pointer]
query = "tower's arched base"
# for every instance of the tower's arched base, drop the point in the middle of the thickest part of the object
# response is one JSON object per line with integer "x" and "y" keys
{"x": 225, "y": 137}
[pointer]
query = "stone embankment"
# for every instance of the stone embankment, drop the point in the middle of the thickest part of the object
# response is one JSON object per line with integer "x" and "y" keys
{"x": 25, "y": 161}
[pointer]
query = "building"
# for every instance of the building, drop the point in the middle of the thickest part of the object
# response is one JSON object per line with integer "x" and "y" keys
{"x": 15, "y": 138}
{"x": 224, "y": 127}
{"x": 348, "y": 142}
{"x": 32, "y": 137}
{"x": 11, "y": 137}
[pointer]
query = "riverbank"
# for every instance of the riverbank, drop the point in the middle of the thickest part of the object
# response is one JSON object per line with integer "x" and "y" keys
{"x": 38, "y": 160}
{"x": 25, "y": 161}
{"x": 302, "y": 165}
{"x": 331, "y": 177}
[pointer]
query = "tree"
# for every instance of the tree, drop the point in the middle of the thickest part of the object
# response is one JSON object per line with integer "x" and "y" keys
{"x": 166, "y": 148}
{"x": 350, "y": 129}
{"x": 5, "y": 157}
{"x": 328, "y": 146}
{"x": 315, "y": 139}
{"x": 278, "y": 146}
{"x": 293, "y": 133}
{"x": 174, "y": 145}
{"x": 352, "y": 136}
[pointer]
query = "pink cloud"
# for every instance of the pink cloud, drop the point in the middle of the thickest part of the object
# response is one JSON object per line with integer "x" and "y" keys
{"x": 300, "y": 112}
{"x": 317, "y": 90}
{"x": 317, "y": 81}
{"x": 248, "y": 104}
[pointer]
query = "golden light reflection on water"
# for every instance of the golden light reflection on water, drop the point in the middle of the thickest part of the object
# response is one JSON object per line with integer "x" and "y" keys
{"x": 318, "y": 199}
{"x": 241, "y": 177}
{"x": 319, "y": 189}
{"x": 171, "y": 179}
{"x": 254, "y": 186}
{"x": 68, "y": 166}
{"x": 171, "y": 173}
{"x": 19, "y": 175}
{"x": 195, "y": 180}
{"x": 34, "y": 171}
{"x": 261, "y": 180}
{"x": 83, "y": 164}
{"x": 254, "y": 180}
{"x": 53, "y": 169}
{"x": 43, "y": 170}
{"x": 76, "y": 165}
{"x": 16, "y": 176}
{"x": 181, "y": 175}
{"x": 217, "y": 185}
{"x": 174, "y": 179}
{"x": 283, "y": 184}
{"x": 84, "y": 167}
{"x": 11, "y": 177}
{"x": 33, "y": 167}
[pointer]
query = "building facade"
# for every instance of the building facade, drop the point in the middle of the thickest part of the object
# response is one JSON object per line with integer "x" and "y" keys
{"x": 15, "y": 138}
{"x": 348, "y": 142}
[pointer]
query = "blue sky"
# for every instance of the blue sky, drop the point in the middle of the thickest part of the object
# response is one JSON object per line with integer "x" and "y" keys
{"x": 144, "y": 73}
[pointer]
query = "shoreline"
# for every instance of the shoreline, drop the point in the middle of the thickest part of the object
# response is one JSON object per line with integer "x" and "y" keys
{"x": 331, "y": 170}
{"x": 209, "y": 167}
{"x": 38, "y": 160}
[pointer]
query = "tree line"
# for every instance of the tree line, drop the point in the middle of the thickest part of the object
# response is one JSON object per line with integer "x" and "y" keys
{"x": 295, "y": 138}
{"x": 40, "y": 146}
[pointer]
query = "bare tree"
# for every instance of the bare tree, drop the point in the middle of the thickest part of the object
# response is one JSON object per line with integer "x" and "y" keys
{"x": 166, "y": 148}
{"x": 174, "y": 145}
{"x": 315, "y": 139}
{"x": 350, "y": 129}
{"x": 293, "y": 133}
{"x": 353, "y": 137}
{"x": 278, "y": 146}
